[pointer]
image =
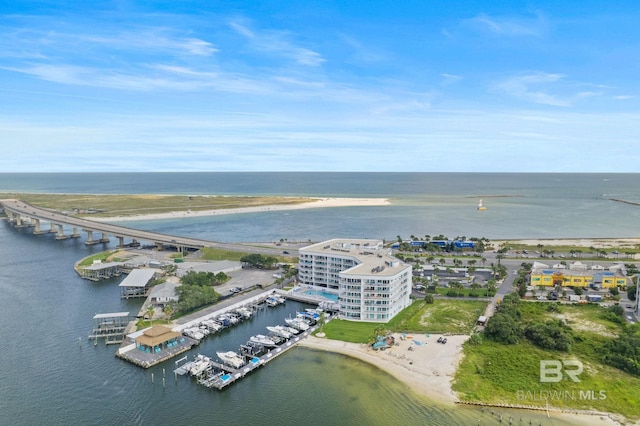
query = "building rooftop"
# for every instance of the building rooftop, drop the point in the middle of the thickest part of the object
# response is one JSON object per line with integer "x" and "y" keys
{"x": 352, "y": 246}
{"x": 111, "y": 315}
{"x": 373, "y": 257}
{"x": 99, "y": 266}
{"x": 138, "y": 278}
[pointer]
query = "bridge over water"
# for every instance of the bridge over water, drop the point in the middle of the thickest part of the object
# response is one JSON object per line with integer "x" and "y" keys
{"x": 22, "y": 215}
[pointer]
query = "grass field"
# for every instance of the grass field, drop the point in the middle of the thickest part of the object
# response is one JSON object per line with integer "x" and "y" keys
{"x": 491, "y": 372}
{"x": 443, "y": 316}
{"x": 496, "y": 373}
{"x": 126, "y": 205}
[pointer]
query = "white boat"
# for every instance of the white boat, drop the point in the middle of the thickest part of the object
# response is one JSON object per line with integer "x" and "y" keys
{"x": 309, "y": 315}
{"x": 297, "y": 323}
{"x": 272, "y": 302}
{"x": 213, "y": 325}
{"x": 231, "y": 358}
{"x": 279, "y": 331}
{"x": 263, "y": 340}
{"x": 246, "y": 313}
{"x": 480, "y": 206}
{"x": 200, "y": 366}
{"x": 292, "y": 330}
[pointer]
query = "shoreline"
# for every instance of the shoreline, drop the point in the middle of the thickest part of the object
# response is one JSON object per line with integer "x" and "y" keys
{"x": 429, "y": 369}
{"x": 315, "y": 203}
{"x": 586, "y": 242}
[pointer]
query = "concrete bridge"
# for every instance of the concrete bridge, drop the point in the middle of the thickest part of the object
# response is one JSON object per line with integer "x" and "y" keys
{"x": 22, "y": 215}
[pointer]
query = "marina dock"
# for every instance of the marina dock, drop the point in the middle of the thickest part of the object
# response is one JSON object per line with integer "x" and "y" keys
{"x": 149, "y": 347}
{"x": 215, "y": 375}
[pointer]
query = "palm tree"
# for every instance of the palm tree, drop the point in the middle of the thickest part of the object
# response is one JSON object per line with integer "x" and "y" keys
{"x": 168, "y": 310}
{"x": 150, "y": 313}
{"x": 321, "y": 321}
{"x": 456, "y": 286}
{"x": 483, "y": 260}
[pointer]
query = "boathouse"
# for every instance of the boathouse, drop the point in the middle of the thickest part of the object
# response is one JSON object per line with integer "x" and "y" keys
{"x": 111, "y": 326}
{"x": 137, "y": 283}
{"x": 99, "y": 271}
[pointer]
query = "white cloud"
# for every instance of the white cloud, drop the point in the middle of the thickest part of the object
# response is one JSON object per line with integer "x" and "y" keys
{"x": 508, "y": 26}
{"x": 278, "y": 42}
{"x": 537, "y": 88}
{"x": 450, "y": 78}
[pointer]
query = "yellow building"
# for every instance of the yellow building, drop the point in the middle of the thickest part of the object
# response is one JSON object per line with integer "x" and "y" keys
{"x": 578, "y": 278}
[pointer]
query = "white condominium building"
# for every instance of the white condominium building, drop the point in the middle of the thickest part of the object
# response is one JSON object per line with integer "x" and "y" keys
{"x": 372, "y": 285}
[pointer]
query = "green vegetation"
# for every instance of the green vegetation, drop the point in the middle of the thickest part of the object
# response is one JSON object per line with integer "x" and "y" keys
{"x": 494, "y": 373}
{"x": 460, "y": 291}
{"x": 103, "y": 256}
{"x": 259, "y": 261}
{"x": 447, "y": 316}
{"x": 443, "y": 316}
{"x": 210, "y": 253}
{"x": 141, "y": 324}
{"x": 351, "y": 331}
{"x": 504, "y": 361}
{"x": 126, "y": 205}
{"x": 202, "y": 279}
{"x": 197, "y": 290}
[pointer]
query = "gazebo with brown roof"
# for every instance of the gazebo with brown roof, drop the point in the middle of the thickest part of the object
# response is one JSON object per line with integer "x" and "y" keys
{"x": 158, "y": 335}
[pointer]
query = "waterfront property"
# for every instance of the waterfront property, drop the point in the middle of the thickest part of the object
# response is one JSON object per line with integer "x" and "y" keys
{"x": 137, "y": 283}
{"x": 372, "y": 285}
{"x": 111, "y": 326}
{"x": 153, "y": 345}
{"x": 163, "y": 294}
{"x": 578, "y": 274}
{"x": 99, "y": 270}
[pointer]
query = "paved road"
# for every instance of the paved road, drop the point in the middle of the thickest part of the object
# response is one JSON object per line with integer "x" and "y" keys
{"x": 26, "y": 210}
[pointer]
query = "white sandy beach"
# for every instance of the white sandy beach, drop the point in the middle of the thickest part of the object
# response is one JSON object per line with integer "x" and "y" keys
{"x": 316, "y": 203}
{"x": 427, "y": 369}
{"x": 598, "y": 243}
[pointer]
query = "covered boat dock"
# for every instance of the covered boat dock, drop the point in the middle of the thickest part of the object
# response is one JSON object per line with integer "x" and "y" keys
{"x": 137, "y": 283}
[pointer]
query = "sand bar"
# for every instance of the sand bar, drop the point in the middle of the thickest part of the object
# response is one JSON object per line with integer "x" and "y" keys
{"x": 316, "y": 203}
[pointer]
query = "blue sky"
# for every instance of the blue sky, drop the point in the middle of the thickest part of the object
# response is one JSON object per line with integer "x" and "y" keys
{"x": 500, "y": 86}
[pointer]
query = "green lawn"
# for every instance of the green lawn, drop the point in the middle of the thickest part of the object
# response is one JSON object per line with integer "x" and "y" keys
{"x": 443, "y": 316}
{"x": 448, "y": 316}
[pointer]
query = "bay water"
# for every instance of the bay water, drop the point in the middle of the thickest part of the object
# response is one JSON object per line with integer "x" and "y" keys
{"x": 51, "y": 374}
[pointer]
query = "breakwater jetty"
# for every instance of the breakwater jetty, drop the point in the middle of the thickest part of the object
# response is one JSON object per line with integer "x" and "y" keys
{"x": 618, "y": 200}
